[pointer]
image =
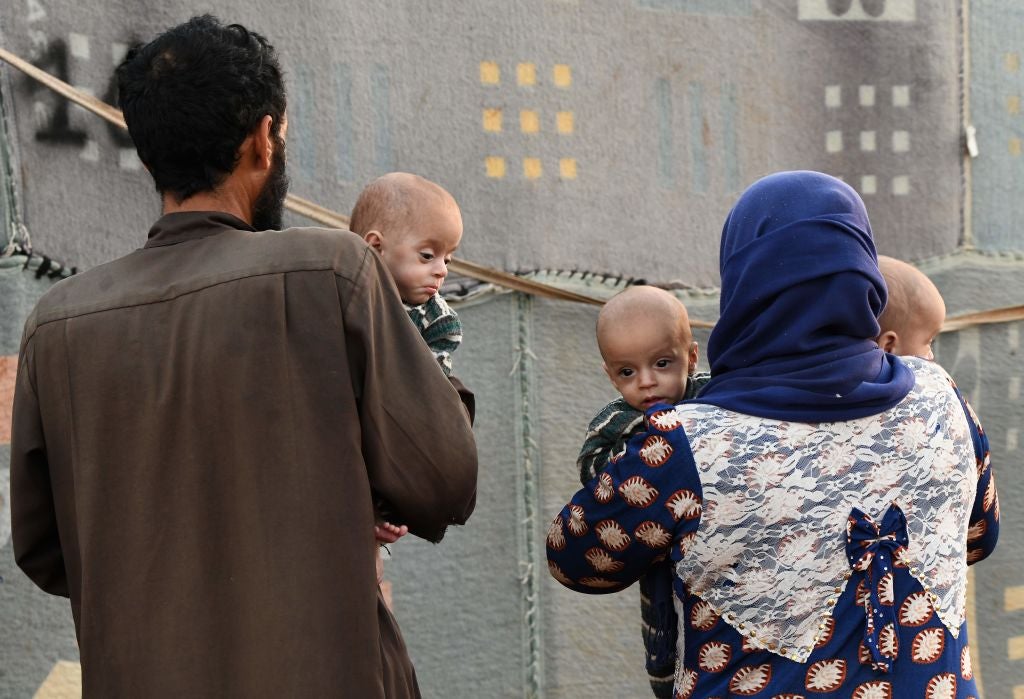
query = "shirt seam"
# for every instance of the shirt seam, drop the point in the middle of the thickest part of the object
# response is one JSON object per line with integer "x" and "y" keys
{"x": 116, "y": 307}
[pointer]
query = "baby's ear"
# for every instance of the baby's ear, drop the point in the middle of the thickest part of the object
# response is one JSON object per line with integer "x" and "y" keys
{"x": 374, "y": 240}
{"x": 608, "y": 372}
{"x": 888, "y": 341}
{"x": 694, "y": 356}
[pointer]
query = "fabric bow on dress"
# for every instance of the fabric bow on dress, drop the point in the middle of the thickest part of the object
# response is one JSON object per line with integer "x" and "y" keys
{"x": 871, "y": 548}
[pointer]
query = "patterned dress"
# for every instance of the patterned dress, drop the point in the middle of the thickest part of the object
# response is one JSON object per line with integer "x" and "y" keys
{"x": 811, "y": 559}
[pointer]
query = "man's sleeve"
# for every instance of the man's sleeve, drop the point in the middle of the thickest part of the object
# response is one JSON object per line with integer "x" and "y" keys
{"x": 417, "y": 440}
{"x": 34, "y": 532}
{"x": 467, "y": 397}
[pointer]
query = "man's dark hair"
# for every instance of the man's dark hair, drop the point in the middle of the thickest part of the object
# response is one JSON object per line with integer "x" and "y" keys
{"x": 192, "y": 95}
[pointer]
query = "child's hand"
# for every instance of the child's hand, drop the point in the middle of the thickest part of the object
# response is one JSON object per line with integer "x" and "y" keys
{"x": 387, "y": 533}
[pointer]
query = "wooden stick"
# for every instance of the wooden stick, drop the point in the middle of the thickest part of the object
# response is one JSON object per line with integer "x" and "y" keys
{"x": 1006, "y": 314}
{"x": 96, "y": 106}
{"x": 300, "y": 205}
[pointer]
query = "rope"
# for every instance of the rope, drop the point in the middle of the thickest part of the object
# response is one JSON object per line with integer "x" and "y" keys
{"x": 9, "y": 194}
{"x": 529, "y": 480}
{"x": 333, "y": 219}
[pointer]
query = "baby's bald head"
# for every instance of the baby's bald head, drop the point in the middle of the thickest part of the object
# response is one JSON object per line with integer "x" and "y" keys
{"x": 391, "y": 203}
{"x": 647, "y": 346}
{"x": 415, "y": 226}
{"x": 914, "y": 312}
{"x": 642, "y": 305}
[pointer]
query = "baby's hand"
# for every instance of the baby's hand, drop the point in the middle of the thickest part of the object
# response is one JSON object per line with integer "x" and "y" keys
{"x": 387, "y": 533}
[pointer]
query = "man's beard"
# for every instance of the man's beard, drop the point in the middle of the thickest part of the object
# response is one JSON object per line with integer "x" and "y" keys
{"x": 268, "y": 209}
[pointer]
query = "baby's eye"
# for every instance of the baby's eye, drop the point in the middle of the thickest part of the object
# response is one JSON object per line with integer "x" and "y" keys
{"x": 625, "y": 372}
{"x": 662, "y": 363}
{"x": 427, "y": 256}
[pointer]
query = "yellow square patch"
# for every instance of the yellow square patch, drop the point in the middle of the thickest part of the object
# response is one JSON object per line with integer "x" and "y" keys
{"x": 495, "y": 166}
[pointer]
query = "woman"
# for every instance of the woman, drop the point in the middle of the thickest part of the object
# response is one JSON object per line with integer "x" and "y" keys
{"x": 816, "y": 497}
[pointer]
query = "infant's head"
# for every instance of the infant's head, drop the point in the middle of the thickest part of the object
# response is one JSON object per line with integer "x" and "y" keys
{"x": 914, "y": 313}
{"x": 644, "y": 337}
{"x": 415, "y": 225}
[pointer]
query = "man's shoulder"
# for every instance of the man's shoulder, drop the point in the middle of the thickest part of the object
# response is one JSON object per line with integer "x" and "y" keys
{"x": 319, "y": 237}
{"x": 160, "y": 273}
{"x": 344, "y": 250}
{"x": 52, "y": 304}
{"x": 340, "y": 250}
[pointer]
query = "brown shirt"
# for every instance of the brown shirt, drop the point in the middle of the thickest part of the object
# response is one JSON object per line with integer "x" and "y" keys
{"x": 200, "y": 431}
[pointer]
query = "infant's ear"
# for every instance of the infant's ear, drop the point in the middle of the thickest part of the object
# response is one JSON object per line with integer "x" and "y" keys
{"x": 608, "y": 372}
{"x": 887, "y": 341}
{"x": 374, "y": 240}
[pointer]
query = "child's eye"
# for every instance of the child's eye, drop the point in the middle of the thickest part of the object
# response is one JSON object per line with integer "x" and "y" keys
{"x": 428, "y": 256}
{"x": 625, "y": 373}
{"x": 662, "y": 363}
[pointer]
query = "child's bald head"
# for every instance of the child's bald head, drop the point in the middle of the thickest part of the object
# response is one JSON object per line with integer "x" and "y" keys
{"x": 647, "y": 346}
{"x": 415, "y": 225}
{"x": 643, "y": 305}
{"x": 914, "y": 313}
{"x": 391, "y": 203}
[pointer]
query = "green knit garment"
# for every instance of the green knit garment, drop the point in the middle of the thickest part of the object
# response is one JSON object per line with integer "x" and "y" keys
{"x": 614, "y": 426}
{"x": 440, "y": 327}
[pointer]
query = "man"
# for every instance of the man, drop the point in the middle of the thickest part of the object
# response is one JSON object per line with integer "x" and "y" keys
{"x": 203, "y": 427}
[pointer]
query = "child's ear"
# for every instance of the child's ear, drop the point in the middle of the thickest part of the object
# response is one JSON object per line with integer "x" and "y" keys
{"x": 374, "y": 240}
{"x": 887, "y": 341}
{"x": 608, "y": 371}
{"x": 694, "y": 356}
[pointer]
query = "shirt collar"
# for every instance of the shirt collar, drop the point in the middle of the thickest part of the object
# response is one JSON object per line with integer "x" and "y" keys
{"x": 184, "y": 226}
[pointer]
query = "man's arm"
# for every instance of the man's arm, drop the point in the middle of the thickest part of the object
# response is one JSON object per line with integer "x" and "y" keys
{"x": 33, "y": 514}
{"x": 467, "y": 397}
{"x": 416, "y": 438}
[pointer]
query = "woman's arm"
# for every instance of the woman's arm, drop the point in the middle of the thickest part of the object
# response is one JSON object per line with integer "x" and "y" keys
{"x": 628, "y": 517}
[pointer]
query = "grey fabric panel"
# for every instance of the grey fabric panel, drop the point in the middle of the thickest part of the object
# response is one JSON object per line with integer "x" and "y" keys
{"x": 997, "y": 86}
{"x": 459, "y": 603}
{"x": 592, "y": 642}
{"x": 663, "y": 137}
{"x": 985, "y": 363}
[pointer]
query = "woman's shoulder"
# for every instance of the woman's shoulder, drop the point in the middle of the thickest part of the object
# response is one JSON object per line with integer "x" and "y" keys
{"x": 928, "y": 375}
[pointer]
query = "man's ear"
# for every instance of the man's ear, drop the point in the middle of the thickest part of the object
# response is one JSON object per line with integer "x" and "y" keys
{"x": 263, "y": 142}
{"x": 374, "y": 240}
{"x": 887, "y": 341}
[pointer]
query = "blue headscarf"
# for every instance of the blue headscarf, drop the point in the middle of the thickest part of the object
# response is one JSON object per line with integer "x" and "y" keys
{"x": 801, "y": 294}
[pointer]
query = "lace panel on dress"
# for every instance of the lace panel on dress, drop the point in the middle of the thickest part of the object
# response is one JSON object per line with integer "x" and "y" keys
{"x": 769, "y": 553}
